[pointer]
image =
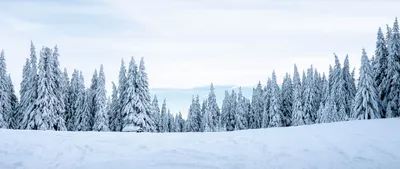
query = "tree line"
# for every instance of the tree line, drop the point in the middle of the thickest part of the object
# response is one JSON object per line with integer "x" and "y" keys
{"x": 49, "y": 100}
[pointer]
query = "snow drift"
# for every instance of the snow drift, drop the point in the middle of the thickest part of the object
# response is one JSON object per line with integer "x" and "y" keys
{"x": 344, "y": 145}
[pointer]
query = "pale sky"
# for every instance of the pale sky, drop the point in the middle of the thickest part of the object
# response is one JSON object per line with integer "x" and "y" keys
{"x": 188, "y": 43}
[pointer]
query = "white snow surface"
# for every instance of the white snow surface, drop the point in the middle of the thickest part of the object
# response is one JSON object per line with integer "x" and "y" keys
{"x": 354, "y": 144}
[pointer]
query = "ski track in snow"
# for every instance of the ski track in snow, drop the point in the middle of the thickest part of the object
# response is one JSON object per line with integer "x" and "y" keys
{"x": 373, "y": 144}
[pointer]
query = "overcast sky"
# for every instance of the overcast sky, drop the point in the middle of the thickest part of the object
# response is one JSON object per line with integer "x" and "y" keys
{"x": 188, "y": 43}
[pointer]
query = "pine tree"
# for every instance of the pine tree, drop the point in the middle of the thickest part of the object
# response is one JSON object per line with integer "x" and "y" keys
{"x": 225, "y": 111}
{"x": 92, "y": 95}
{"x": 213, "y": 110}
{"x": 101, "y": 116}
{"x": 380, "y": 68}
{"x": 122, "y": 99}
{"x": 74, "y": 91}
{"x": 240, "y": 113}
{"x": 339, "y": 92}
{"x": 366, "y": 101}
{"x": 349, "y": 86}
{"x": 257, "y": 106}
{"x": 5, "y": 107}
{"x": 13, "y": 100}
{"x": 267, "y": 104}
{"x": 156, "y": 113}
{"x": 23, "y": 92}
{"x": 58, "y": 81}
{"x": 206, "y": 118}
{"x": 66, "y": 91}
{"x": 48, "y": 110}
{"x": 171, "y": 122}
{"x": 130, "y": 109}
{"x": 325, "y": 90}
{"x": 179, "y": 123}
{"x": 277, "y": 119}
{"x": 164, "y": 118}
{"x": 297, "y": 112}
{"x": 143, "y": 116}
{"x": 82, "y": 120}
{"x": 230, "y": 117}
{"x": 115, "y": 119}
{"x": 287, "y": 98}
{"x": 309, "y": 97}
{"x": 393, "y": 74}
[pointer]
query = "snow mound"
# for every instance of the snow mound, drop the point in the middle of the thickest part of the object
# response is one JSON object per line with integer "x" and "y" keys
{"x": 344, "y": 145}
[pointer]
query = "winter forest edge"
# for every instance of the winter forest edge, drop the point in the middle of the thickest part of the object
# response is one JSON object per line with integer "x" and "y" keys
{"x": 49, "y": 100}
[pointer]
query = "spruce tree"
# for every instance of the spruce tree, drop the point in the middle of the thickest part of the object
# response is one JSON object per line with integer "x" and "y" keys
{"x": 156, "y": 113}
{"x": 297, "y": 112}
{"x": 267, "y": 103}
{"x": 287, "y": 98}
{"x": 393, "y": 74}
{"x": 101, "y": 116}
{"x": 230, "y": 117}
{"x": 48, "y": 110}
{"x": 366, "y": 101}
{"x": 115, "y": 119}
{"x": 349, "y": 86}
{"x": 240, "y": 113}
{"x": 13, "y": 101}
{"x": 309, "y": 97}
{"x": 130, "y": 109}
{"x": 257, "y": 106}
{"x": 25, "y": 100}
{"x": 143, "y": 116}
{"x": 74, "y": 92}
{"x": 5, "y": 106}
{"x": 339, "y": 92}
{"x": 92, "y": 95}
{"x": 164, "y": 117}
{"x": 206, "y": 118}
{"x": 122, "y": 99}
{"x": 213, "y": 109}
{"x": 225, "y": 111}
{"x": 380, "y": 68}
{"x": 82, "y": 120}
{"x": 277, "y": 119}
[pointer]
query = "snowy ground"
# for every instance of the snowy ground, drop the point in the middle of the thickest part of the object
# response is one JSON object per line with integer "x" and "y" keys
{"x": 356, "y": 144}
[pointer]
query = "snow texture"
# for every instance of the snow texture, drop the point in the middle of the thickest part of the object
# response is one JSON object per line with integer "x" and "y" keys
{"x": 344, "y": 145}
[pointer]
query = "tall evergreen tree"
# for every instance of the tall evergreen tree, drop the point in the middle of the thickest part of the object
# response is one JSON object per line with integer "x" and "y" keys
{"x": 92, "y": 95}
{"x": 267, "y": 104}
{"x": 122, "y": 99}
{"x": 130, "y": 109}
{"x": 225, "y": 111}
{"x": 297, "y": 112}
{"x": 206, "y": 118}
{"x": 257, "y": 106}
{"x": 171, "y": 122}
{"x": 179, "y": 123}
{"x": 287, "y": 98}
{"x": 349, "y": 86}
{"x": 101, "y": 116}
{"x": 156, "y": 113}
{"x": 115, "y": 119}
{"x": 380, "y": 68}
{"x": 83, "y": 114}
{"x": 23, "y": 92}
{"x": 5, "y": 106}
{"x": 309, "y": 97}
{"x": 74, "y": 92}
{"x": 48, "y": 108}
{"x": 164, "y": 118}
{"x": 240, "y": 113}
{"x": 393, "y": 74}
{"x": 366, "y": 101}
{"x": 277, "y": 119}
{"x": 230, "y": 117}
{"x": 143, "y": 116}
{"x": 214, "y": 110}
{"x": 339, "y": 92}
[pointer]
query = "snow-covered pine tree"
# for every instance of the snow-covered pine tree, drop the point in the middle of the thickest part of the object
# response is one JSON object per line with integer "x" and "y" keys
{"x": 328, "y": 111}
{"x": 179, "y": 123}
{"x": 267, "y": 103}
{"x": 101, "y": 116}
{"x": 349, "y": 86}
{"x": 92, "y": 93}
{"x": 130, "y": 109}
{"x": 66, "y": 91}
{"x": 366, "y": 100}
{"x": 197, "y": 112}
{"x": 257, "y": 107}
{"x": 393, "y": 74}
{"x": 14, "y": 115}
{"x": 230, "y": 117}
{"x": 339, "y": 91}
{"x": 277, "y": 119}
{"x": 380, "y": 68}
{"x": 58, "y": 81}
{"x": 206, "y": 118}
{"x": 122, "y": 100}
{"x": 143, "y": 116}
{"x": 240, "y": 113}
{"x": 75, "y": 90}
{"x": 171, "y": 122}
{"x": 48, "y": 109}
{"x": 309, "y": 97}
{"x": 115, "y": 119}
{"x": 287, "y": 98}
{"x": 225, "y": 111}
{"x": 83, "y": 114}
{"x": 23, "y": 92}
{"x": 5, "y": 106}
{"x": 156, "y": 113}
{"x": 325, "y": 90}
{"x": 247, "y": 111}
{"x": 297, "y": 112}
{"x": 164, "y": 118}
{"x": 214, "y": 110}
